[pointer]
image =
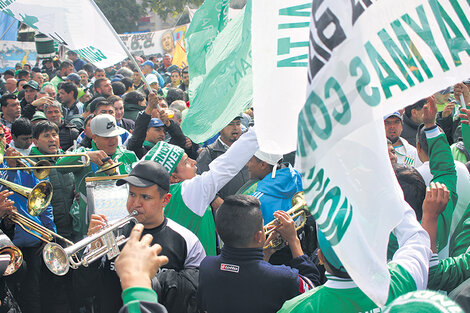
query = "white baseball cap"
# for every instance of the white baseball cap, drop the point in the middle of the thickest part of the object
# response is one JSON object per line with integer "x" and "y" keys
{"x": 104, "y": 125}
{"x": 271, "y": 159}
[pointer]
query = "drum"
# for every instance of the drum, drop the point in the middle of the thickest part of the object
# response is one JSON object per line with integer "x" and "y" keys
{"x": 44, "y": 46}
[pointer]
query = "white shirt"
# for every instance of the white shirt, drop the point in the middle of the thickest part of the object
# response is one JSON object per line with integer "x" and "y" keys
{"x": 407, "y": 154}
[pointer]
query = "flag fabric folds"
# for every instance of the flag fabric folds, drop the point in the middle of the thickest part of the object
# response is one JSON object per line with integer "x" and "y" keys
{"x": 221, "y": 84}
{"x": 367, "y": 60}
{"x": 79, "y": 25}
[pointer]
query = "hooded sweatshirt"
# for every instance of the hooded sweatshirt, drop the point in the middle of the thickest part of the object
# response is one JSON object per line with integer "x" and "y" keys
{"x": 276, "y": 193}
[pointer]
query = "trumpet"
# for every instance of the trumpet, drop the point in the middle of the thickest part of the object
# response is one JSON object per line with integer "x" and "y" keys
{"x": 12, "y": 253}
{"x": 298, "y": 211}
{"x": 42, "y": 168}
{"x": 59, "y": 260}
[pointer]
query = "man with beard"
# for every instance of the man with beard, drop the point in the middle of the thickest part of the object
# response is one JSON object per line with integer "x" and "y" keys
{"x": 228, "y": 135}
{"x": 406, "y": 153}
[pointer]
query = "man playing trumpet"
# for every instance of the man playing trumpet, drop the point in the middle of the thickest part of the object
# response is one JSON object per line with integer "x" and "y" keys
{"x": 149, "y": 184}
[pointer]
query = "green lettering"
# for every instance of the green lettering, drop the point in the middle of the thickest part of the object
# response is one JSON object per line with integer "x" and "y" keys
{"x": 341, "y": 220}
{"x": 341, "y": 117}
{"x": 332, "y": 195}
{"x": 296, "y": 10}
{"x": 455, "y": 44}
{"x": 293, "y": 25}
{"x": 391, "y": 78}
{"x": 374, "y": 98}
{"x": 99, "y": 54}
{"x": 313, "y": 103}
{"x": 404, "y": 56}
{"x": 461, "y": 15}
{"x": 425, "y": 33}
{"x": 294, "y": 61}
{"x": 305, "y": 137}
{"x": 284, "y": 45}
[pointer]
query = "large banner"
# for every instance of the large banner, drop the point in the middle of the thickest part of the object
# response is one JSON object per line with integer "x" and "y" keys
{"x": 163, "y": 41}
{"x": 79, "y": 25}
{"x": 220, "y": 68}
{"x": 369, "y": 58}
{"x": 12, "y": 52}
{"x": 279, "y": 42}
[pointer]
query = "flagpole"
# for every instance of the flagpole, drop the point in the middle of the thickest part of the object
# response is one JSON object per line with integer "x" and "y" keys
{"x": 5, "y": 32}
{"x": 129, "y": 54}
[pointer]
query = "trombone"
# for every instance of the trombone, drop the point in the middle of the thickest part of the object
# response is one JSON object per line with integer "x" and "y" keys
{"x": 35, "y": 229}
{"x": 38, "y": 198}
{"x": 299, "y": 210}
{"x": 59, "y": 260}
{"x": 42, "y": 168}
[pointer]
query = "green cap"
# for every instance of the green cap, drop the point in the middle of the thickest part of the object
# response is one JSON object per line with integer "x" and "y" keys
{"x": 166, "y": 155}
{"x": 39, "y": 115}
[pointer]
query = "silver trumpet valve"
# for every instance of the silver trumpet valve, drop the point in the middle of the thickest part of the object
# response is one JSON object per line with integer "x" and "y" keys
{"x": 59, "y": 260}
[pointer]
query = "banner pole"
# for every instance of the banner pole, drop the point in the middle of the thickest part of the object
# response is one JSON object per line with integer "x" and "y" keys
{"x": 129, "y": 54}
{"x": 5, "y": 32}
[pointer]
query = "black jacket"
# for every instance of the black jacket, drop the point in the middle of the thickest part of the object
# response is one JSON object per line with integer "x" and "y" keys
{"x": 127, "y": 124}
{"x": 209, "y": 154}
{"x": 27, "y": 110}
{"x": 410, "y": 128}
{"x": 67, "y": 134}
{"x": 138, "y": 136}
{"x": 62, "y": 197}
{"x": 239, "y": 280}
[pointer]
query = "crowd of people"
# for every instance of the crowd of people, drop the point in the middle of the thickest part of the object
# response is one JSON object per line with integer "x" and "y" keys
{"x": 200, "y": 244}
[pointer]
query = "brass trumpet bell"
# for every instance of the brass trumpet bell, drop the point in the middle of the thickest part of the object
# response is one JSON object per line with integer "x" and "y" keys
{"x": 299, "y": 213}
{"x": 38, "y": 197}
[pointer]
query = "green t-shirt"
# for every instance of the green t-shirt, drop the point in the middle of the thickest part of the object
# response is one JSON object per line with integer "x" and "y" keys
{"x": 342, "y": 295}
{"x": 202, "y": 226}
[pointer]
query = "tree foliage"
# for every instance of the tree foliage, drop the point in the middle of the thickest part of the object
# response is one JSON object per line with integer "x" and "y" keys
{"x": 122, "y": 14}
{"x": 166, "y": 8}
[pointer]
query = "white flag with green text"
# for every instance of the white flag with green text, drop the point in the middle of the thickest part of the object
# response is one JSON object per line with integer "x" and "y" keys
{"x": 77, "y": 24}
{"x": 367, "y": 59}
{"x": 279, "y": 47}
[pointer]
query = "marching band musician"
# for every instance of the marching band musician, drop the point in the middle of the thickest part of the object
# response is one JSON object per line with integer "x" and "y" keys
{"x": 46, "y": 141}
{"x": 8, "y": 303}
{"x": 277, "y": 184}
{"x": 136, "y": 266}
{"x": 105, "y": 133}
{"x": 149, "y": 185}
{"x": 30, "y": 293}
{"x": 239, "y": 280}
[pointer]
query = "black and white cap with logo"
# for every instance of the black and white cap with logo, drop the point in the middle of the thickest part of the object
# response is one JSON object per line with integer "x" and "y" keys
{"x": 104, "y": 125}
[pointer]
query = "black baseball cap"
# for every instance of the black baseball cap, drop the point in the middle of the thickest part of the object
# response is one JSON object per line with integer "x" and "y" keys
{"x": 147, "y": 173}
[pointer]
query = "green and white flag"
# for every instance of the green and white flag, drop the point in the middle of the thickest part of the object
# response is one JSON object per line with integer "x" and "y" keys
{"x": 367, "y": 59}
{"x": 208, "y": 21}
{"x": 279, "y": 42}
{"x": 79, "y": 25}
{"x": 221, "y": 84}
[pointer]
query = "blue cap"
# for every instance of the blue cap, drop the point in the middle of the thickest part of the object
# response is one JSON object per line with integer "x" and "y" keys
{"x": 328, "y": 252}
{"x": 396, "y": 114}
{"x": 148, "y": 62}
{"x": 155, "y": 122}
